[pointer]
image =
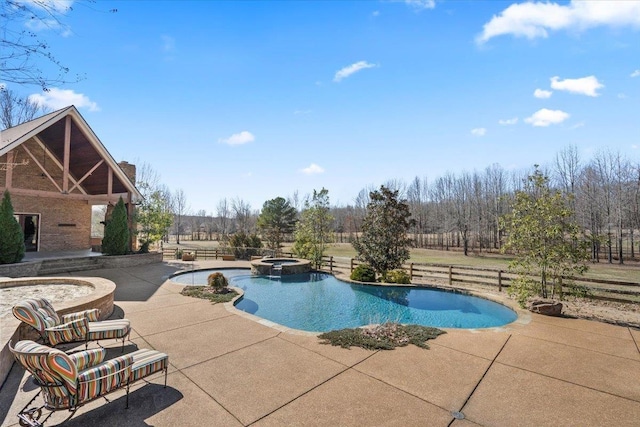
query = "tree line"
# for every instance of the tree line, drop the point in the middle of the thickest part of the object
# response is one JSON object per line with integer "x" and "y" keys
{"x": 462, "y": 211}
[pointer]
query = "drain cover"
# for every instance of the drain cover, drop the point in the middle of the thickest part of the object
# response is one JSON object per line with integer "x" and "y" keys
{"x": 457, "y": 415}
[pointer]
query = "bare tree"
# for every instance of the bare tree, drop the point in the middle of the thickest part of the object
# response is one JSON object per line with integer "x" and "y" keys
{"x": 567, "y": 169}
{"x": 417, "y": 197}
{"x": 223, "y": 212}
{"x": 180, "y": 209}
{"x": 242, "y": 214}
{"x": 24, "y": 51}
{"x": 15, "y": 110}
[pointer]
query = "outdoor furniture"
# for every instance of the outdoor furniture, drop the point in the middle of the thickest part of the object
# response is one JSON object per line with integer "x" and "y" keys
{"x": 82, "y": 326}
{"x": 68, "y": 381}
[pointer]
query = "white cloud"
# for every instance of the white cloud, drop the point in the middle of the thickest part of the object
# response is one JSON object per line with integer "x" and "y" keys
{"x": 542, "y": 94}
{"x": 577, "y": 125}
{"x": 636, "y": 73}
{"x": 241, "y": 138}
{"x": 168, "y": 43}
{"x": 56, "y": 99}
{"x": 420, "y": 4}
{"x": 545, "y": 117}
{"x": 351, "y": 69}
{"x": 508, "y": 122}
{"x": 583, "y": 86}
{"x": 46, "y": 13}
{"x": 59, "y": 6}
{"x": 479, "y": 132}
{"x": 622, "y": 96}
{"x": 537, "y": 19}
{"x": 312, "y": 169}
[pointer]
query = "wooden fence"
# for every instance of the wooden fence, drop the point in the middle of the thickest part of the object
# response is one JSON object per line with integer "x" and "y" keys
{"x": 614, "y": 290}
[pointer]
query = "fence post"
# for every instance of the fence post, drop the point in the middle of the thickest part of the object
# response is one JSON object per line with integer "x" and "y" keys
{"x": 410, "y": 271}
{"x": 499, "y": 280}
{"x": 351, "y": 266}
{"x": 450, "y": 275}
{"x": 331, "y": 264}
{"x": 216, "y": 254}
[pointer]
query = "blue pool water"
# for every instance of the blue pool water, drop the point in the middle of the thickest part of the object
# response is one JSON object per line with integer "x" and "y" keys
{"x": 318, "y": 302}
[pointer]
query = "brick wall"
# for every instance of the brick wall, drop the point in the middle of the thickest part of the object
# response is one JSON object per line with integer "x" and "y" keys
{"x": 64, "y": 224}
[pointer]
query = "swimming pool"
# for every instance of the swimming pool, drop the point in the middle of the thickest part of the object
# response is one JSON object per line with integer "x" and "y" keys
{"x": 318, "y": 302}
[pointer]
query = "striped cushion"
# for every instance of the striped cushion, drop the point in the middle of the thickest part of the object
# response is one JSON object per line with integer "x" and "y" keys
{"x": 37, "y": 312}
{"x": 70, "y": 380}
{"x": 76, "y": 330}
{"x": 109, "y": 375}
{"x": 146, "y": 362}
{"x": 87, "y": 358}
{"x": 119, "y": 328}
{"x": 92, "y": 315}
{"x": 51, "y": 367}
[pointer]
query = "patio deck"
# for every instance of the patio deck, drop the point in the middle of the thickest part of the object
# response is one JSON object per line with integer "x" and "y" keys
{"x": 227, "y": 370}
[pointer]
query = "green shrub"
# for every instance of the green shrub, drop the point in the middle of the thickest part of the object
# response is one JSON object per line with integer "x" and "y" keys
{"x": 398, "y": 276}
{"x": 382, "y": 337}
{"x": 179, "y": 253}
{"x": 11, "y": 235}
{"x": 245, "y": 245}
{"x": 217, "y": 281}
{"x": 363, "y": 273}
{"x": 116, "y": 231}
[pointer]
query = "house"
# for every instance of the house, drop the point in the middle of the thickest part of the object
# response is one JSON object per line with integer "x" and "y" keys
{"x": 56, "y": 169}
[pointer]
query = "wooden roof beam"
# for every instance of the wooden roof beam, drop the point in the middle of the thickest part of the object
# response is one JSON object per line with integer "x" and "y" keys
{"x": 24, "y": 147}
{"x": 86, "y": 175}
{"x": 57, "y": 162}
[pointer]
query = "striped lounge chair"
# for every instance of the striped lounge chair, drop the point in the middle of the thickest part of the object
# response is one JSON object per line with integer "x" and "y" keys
{"x": 68, "y": 381}
{"x": 82, "y": 326}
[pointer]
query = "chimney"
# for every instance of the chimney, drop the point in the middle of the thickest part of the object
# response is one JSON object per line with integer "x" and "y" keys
{"x": 129, "y": 170}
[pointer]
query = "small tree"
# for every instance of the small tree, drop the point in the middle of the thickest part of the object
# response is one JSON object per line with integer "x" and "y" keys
{"x": 11, "y": 235}
{"x": 116, "y": 232}
{"x": 154, "y": 218}
{"x": 384, "y": 243}
{"x": 546, "y": 241}
{"x": 313, "y": 231}
{"x": 277, "y": 219}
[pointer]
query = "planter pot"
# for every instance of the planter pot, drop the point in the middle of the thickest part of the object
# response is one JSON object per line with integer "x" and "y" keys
{"x": 188, "y": 257}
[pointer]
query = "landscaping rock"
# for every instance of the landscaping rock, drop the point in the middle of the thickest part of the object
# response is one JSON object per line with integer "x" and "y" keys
{"x": 547, "y": 308}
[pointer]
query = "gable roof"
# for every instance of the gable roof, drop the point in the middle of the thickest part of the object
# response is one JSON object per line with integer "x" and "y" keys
{"x": 85, "y": 146}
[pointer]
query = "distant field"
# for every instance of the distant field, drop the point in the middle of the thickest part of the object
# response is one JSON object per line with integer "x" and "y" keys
{"x": 629, "y": 272}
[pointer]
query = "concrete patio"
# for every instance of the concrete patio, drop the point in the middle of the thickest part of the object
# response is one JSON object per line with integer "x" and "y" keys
{"x": 229, "y": 370}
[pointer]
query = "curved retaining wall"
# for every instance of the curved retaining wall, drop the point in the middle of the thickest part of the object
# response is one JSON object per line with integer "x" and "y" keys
{"x": 14, "y": 330}
{"x": 65, "y": 265}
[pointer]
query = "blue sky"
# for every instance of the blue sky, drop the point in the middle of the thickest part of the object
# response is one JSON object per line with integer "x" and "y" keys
{"x": 259, "y": 99}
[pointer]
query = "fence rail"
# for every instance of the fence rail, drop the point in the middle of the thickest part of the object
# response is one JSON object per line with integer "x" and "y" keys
{"x": 615, "y": 290}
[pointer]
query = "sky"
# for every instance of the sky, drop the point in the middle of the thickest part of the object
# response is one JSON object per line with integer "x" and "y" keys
{"x": 260, "y": 99}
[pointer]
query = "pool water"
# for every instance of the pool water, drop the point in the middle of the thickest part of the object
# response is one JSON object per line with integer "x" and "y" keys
{"x": 319, "y": 302}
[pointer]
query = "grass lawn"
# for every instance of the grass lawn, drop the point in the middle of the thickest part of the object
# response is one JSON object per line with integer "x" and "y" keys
{"x": 629, "y": 272}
